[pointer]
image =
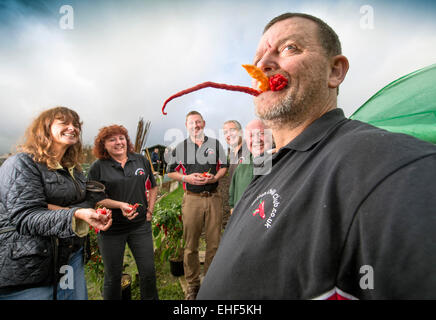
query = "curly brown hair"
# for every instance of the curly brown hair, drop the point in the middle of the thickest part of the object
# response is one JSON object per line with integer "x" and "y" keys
{"x": 106, "y": 132}
{"x": 38, "y": 139}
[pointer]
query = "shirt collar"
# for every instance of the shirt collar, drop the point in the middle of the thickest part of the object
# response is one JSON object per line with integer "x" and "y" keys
{"x": 115, "y": 163}
{"x": 69, "y": 169}
{"x": 316, "y": 130}
{"x": 192, "y": 142}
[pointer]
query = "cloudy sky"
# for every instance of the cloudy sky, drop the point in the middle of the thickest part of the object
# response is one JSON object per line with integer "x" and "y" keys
{"x": 117, "y": 61}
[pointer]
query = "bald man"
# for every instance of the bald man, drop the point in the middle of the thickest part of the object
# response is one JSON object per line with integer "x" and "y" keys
{"x": 257, "y": 143}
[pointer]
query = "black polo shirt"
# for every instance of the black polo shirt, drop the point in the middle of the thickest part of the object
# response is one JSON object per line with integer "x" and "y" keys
{"x": 188, "y": 158}
{"x": 348, "y": 210}
{"x": 126, "y": 184}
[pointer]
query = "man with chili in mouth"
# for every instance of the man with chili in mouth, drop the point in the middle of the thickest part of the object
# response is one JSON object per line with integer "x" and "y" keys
{"x": 347, "y": 210}
{"x": 199, "y": 162}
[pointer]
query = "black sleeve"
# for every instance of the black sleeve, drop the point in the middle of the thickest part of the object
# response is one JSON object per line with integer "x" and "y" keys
{"x": 390, "y": 251}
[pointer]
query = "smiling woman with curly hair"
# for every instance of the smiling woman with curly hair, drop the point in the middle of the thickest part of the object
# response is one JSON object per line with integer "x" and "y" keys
{"x": 99, "y": 150}
{"x": 39, "y": 142}
{"x": 45, "y": 211}
{"x": 126, "y": 176}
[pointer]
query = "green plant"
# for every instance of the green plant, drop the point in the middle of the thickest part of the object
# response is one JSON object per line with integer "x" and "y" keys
{"x": 95, "y": 266}
{"x": 168, "y": 231}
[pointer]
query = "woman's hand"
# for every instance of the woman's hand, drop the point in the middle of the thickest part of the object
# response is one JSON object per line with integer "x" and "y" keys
{"x": 129, "y": 212}
{"x": 94, "y": 219}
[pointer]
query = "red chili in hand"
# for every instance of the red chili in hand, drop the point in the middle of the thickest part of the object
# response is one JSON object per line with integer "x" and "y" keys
{"x": 205, "y": 174}
{"x": 277, "y": 82}
{"x": 102, "y": 211}
{"x": 134, "y": 206}
{"x": 203, "y": 85}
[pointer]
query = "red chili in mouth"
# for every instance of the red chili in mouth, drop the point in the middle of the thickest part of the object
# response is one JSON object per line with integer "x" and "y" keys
{"x": 277, "y": 82}
{"x": 203, "y": 85}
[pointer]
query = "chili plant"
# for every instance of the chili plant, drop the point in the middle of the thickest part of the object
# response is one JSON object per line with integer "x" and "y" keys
{"x": 168, "y": 231}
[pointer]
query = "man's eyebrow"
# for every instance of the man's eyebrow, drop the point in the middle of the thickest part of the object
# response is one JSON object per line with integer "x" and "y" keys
{"x": 294, "y": 37}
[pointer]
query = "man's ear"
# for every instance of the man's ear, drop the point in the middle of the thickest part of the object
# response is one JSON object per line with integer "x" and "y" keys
{"x": 338, "y": 70}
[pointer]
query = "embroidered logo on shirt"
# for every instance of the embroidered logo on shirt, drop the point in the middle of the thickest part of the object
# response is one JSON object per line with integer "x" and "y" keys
{"x": 260, "y": 210}
{"x": 208, "y": 152}
{"x": 267, "y": 203}
{"x": 139, "y": 172}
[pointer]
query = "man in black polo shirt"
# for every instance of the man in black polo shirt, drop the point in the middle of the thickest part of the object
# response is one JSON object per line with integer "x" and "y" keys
{"x": 347, "y": 211}
{"x": 199, "y": 162}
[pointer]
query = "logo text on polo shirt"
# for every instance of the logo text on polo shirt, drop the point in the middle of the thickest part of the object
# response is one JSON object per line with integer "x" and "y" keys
{"x": 139, "y": 172}
{"x": 209, "y": 151}
{"x": 266, "y": 206}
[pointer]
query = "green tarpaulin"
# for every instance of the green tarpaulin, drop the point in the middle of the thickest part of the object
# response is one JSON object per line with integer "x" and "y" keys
{"x": 407, "y": 105}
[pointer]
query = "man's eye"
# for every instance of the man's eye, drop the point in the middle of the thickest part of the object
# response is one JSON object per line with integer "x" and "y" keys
{"x": 289, "y": 47}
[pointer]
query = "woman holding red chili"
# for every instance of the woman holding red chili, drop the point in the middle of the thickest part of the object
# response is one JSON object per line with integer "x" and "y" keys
{"x": 45, "y": 212}
{"x": 126, "y": 176}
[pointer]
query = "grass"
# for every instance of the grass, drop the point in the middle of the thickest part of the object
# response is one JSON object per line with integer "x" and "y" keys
{"x": 168, "y": 286}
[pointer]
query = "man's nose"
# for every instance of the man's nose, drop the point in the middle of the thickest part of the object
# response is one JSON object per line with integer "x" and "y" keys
{"x": 268, "y": 62}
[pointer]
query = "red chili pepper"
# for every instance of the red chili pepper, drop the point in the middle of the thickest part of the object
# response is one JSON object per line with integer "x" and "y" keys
{"x": 205, "y": 174}
{"x": 277, "y": 82}
{"x": 102, "y": 211}
{"x": 134, "y": 206}
{"x": 207, "y": 84}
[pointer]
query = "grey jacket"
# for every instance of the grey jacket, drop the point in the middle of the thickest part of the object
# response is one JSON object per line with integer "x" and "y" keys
{"x": 28, "y": 229}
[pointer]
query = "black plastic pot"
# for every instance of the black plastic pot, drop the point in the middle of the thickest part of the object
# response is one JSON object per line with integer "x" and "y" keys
{"x": 126, "y": 287}
{"x": 176, "y": 268}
